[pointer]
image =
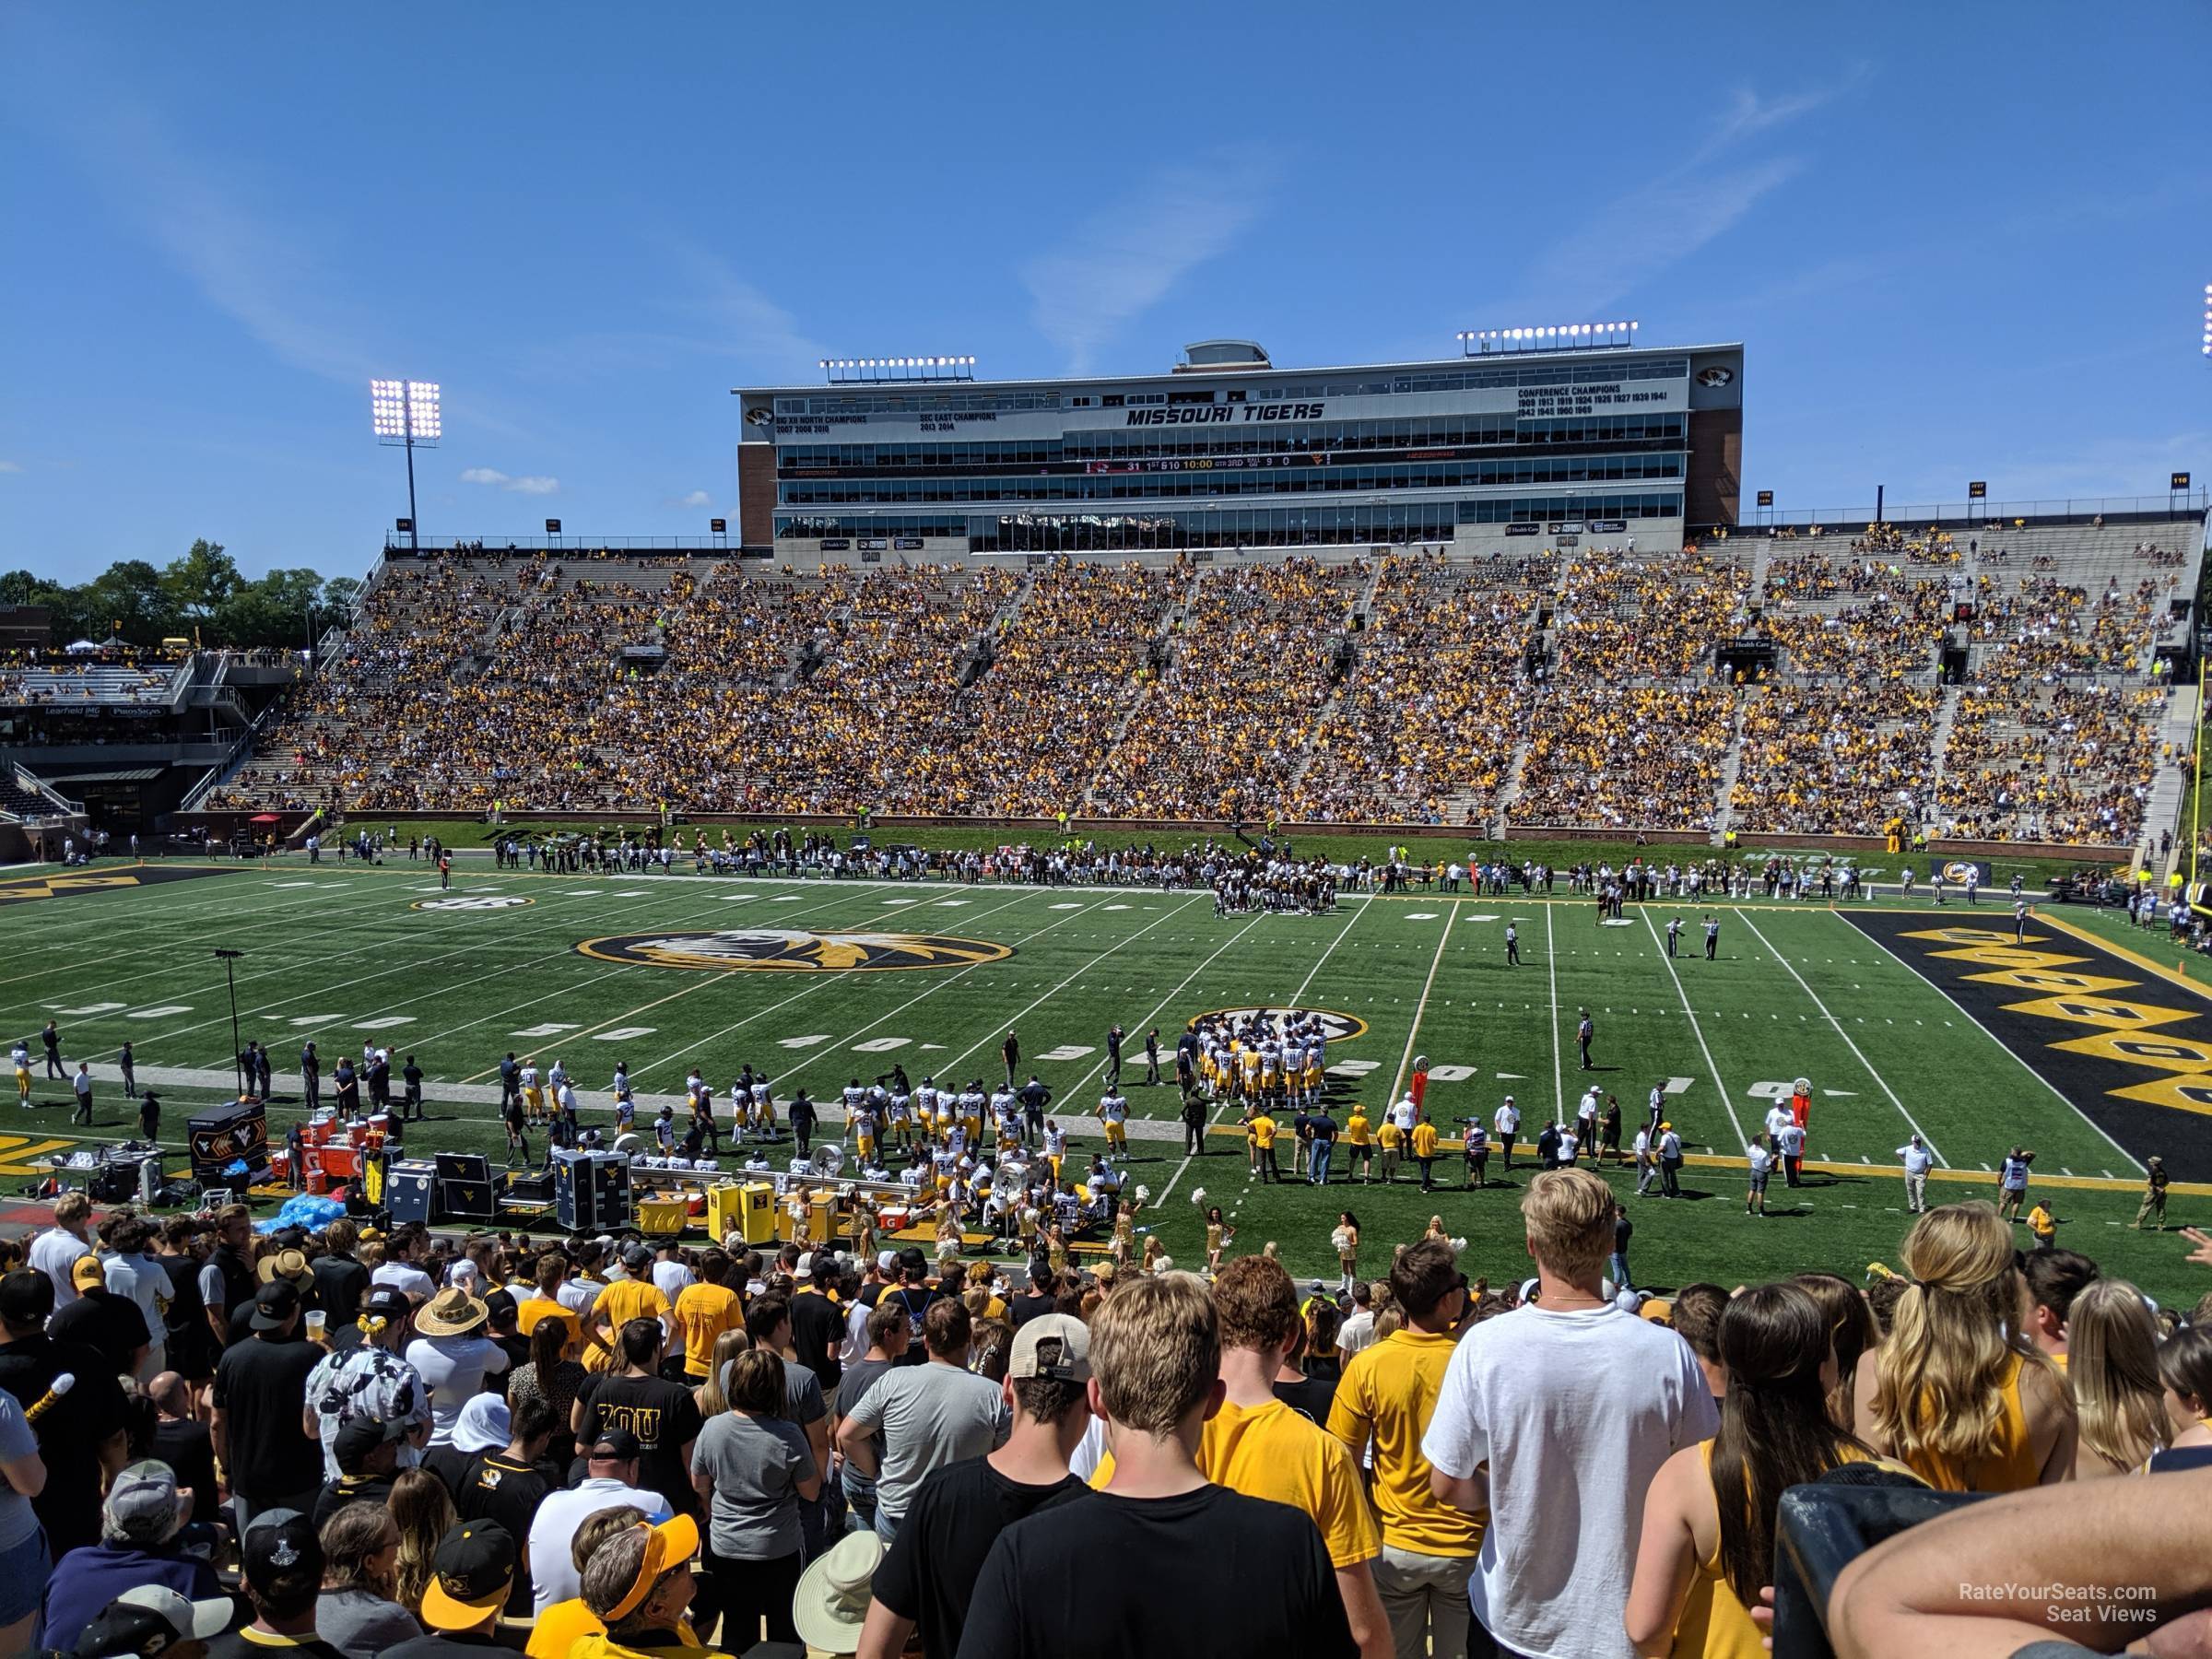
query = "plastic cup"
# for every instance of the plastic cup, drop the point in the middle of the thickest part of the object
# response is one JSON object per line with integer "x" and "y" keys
{"x": 315, "y": 1325}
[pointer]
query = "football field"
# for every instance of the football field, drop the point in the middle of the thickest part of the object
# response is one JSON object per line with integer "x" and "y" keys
{"x": 2088, "y": 1042}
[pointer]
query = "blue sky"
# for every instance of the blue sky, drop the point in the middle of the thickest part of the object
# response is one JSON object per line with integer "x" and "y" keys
{"x": 1958, "y": 240}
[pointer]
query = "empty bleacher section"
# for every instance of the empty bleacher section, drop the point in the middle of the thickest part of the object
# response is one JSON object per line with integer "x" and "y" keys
{"x": 2002, "y": 682}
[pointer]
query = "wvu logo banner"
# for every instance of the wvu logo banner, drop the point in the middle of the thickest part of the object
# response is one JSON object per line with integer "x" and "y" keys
{"x": 774, "y": 950}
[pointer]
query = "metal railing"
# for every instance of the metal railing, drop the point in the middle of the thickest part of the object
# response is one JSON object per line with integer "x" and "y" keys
{"x": 1951, "y": 515}
{"x": 488, "y": 545}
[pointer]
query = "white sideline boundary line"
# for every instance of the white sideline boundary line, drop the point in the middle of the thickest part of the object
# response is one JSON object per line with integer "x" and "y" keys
{"x": 1880, "y": 1082}
{"x": 1883, "y": 946}
{"x": 1727, "y": 1103}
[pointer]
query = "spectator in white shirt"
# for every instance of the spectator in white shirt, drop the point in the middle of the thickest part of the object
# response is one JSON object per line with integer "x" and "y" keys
{"x": 453, "y": 1356}
{"x": 398, "y": 1268}
{"x": 1357, "y": 1332}
{"x": 132, "y": 1271}
{"x": 1918, "y": 1161}
{"x": 1525, "y": 1393}
{"x": 54, "y": 1252}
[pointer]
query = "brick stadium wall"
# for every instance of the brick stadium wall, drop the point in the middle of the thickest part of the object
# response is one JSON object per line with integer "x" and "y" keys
{"x": 1713, "y": 492}
{"x": 756, "y": 494}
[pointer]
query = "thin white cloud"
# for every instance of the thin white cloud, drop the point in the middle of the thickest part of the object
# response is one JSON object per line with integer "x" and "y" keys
{"x": 11, "y": 467}
{"x": 697, "y": 497}
{"x": 534, "y": 484}
{"x": 1127, "y": 256}
{"x": 1668, "y": 217}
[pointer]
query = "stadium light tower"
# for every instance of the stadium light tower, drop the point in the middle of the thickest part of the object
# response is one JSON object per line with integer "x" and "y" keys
{"x": 2208, "y": 319}
{"x": 405, "y": 413}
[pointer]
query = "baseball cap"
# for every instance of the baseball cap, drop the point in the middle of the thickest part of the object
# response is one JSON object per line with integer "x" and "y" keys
{"x": 387, "y": 1300}
{"x": 282, "y": 1557}
{"x": 885, "y": 1260}
{"x": 87, "y": 1273}
{"x": 360, "y": 1436}
{"x": 637, "y": 1258}
{"x": 143, "y": 1504}
{"x": 275, "y": 1303}
{"x": 1052, "y": 1345}
{"x": 149, "y": 1620}
{"x": 619, "y": 1445}
{"x": 26, "y": 1296}
{"x": 806, "y": 1268}
{"x": 469, "y": 1575}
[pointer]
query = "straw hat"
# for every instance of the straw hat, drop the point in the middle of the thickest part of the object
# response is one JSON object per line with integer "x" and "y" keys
{"x": 452, "y": 1313}
{"x": 833, "y": 1600}
{"x": 287, "y": 1264}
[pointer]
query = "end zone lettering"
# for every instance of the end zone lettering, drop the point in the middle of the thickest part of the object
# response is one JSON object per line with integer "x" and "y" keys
{"x": 1220, "y": 414}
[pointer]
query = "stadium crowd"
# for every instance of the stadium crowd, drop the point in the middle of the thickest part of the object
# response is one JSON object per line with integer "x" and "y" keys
{"x": 1415, "y": 688}
{"x": 348, "y": 1442}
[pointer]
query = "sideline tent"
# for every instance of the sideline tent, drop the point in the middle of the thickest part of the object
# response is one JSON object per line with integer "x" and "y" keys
{"x": 80, "y": 648}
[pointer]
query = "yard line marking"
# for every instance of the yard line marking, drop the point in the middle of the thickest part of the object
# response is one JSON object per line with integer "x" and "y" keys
{"x": 2030, "y": 1070}
{"x": 1727, "y": 1104}
{"x": 939, "y": 982}
{"x": 1297, "y": 997}
{"x": 1551, "y": 963}
{"x": 1419, "y": 1007}
{"x": 536, "y": 934}
{"x": 460, "y": 923}
{"x": 1084, "y": 1083}
{"x": 823, "y": 982}
{"x": 280, "y": 915}
{"x": 1880, "y": 1081}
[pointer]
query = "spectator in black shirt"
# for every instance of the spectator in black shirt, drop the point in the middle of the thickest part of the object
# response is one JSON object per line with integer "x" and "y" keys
{"x": 101, "y": 1319}
{"x": 1176, "y": 1539}
{"x": 508, "y": 1485}
{"x": 260, "y": 1395}
{"x": 913, "y": 1293}
{"x": 281, "y": 1572}
{"x": 1038, "y": 1300}
{"x": 662, "y": 1415}
{"x": 817, "y": 1325}
{"x": 924, "y": 1583}
{"x": 367, "y": 1449}
{"x": 182, "y": 1443}
{"x": 340, "y": 1280}
{"x": 81, "y": 1435}
{"x": 191, "y": 1345}
{"x": 500, "y": 1314}
{"x": 472, "y": 1578}
{"x": 411, "y": 1077}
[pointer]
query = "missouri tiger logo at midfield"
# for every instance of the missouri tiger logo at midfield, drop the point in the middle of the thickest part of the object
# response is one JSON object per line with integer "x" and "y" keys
{"x": 776, "y": 950}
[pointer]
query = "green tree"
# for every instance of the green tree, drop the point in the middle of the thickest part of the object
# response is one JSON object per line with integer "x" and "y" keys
{"x": 198, "y": 583}
{"x": 128, "y": 600}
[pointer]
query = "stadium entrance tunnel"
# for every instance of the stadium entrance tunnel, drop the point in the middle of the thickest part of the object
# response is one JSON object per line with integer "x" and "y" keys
{"x": 2129, "y": 1048}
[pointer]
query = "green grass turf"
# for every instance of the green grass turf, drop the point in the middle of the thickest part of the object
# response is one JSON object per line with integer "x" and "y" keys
{"x": 333, "y": 950}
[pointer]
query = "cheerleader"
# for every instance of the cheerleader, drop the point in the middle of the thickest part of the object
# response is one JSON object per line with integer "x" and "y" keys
{"x": 1218, "y": 1234}
{"x": 1346, "y": 1241}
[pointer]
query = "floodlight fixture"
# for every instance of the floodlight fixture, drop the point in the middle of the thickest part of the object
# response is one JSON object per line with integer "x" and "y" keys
{"x": 404, "y": 414}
